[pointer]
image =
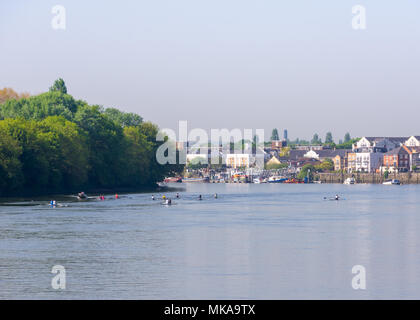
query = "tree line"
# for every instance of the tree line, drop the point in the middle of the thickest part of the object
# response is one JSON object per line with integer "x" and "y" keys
{"x": 53, "y": 142}
{"x": 345, "y": 143}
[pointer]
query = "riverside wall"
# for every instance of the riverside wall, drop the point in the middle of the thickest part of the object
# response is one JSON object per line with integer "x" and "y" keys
{"x": 404, "y": 177}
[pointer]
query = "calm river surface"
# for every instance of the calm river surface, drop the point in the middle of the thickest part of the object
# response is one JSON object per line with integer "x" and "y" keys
{"x": 267, "y": 241}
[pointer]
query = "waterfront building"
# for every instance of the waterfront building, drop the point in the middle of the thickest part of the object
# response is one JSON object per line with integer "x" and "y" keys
{"x": 413, "y": 141}
{"x": 239, "y": 160}
{"x": 351, "y": 162}
{"x": 414, "y": 158}
{"x": 368, "y": 161}
{"x": 369, "y": 144}
{"x": 340, "y": 162}
{"x": 397, "y": 160}
{"x": 203, "y": 154}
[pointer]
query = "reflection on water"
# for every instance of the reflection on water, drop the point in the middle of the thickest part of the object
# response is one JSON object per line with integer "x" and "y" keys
{"x": 267, "y": 241}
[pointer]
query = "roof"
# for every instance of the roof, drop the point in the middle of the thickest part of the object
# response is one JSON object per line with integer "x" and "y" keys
{"x": 332, "y": 153}
{"x": 296, "y": 154}
{"x": 393, "y": 139}
{"x": 395, "y": 151}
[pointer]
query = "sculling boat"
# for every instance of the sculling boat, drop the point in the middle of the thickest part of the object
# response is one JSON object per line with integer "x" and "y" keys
{"x": 205, "y": 179}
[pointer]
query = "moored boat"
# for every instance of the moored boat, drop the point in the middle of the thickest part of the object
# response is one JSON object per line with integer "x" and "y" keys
{"x": 349, "y": 181}
{"x": 392, "y": 182}
{"x": 293, "y": 180}
{"x": 276, "y": 179}
{"x": 172, "y": 179}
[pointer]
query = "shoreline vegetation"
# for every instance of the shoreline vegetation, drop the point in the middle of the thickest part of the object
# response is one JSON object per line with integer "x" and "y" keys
{"x": 53, "y": 143}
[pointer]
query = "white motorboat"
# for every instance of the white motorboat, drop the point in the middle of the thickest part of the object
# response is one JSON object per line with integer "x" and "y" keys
{"x": 392, "y": 182}
{"x": 349, "y": 181}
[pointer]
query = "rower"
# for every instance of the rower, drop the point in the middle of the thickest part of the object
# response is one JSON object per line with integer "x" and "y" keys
{"x": 215, "y": 195}
{"x": 337, "y": 197}
{"x": 153, "y": 197}
{"x": 177, "y": 195}
{"x": 116, "y": 196}
{"x": 199, "y": 197}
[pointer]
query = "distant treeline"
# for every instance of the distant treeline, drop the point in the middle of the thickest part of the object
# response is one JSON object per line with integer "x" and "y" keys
{"x": 54, "y": 143}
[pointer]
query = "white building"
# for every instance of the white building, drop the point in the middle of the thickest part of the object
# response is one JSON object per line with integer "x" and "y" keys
{"x": 413, "y": 141}
{"x": 368, "y": 161}
{"x": 369, "y": 144}
{"x": 239, "y": 160}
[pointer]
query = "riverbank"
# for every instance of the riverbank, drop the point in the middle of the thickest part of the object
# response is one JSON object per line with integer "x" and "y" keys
{"x": 374, "y": 178}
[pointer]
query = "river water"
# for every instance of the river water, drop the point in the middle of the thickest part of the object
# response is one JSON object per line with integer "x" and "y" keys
{"x": 267, "y": 241}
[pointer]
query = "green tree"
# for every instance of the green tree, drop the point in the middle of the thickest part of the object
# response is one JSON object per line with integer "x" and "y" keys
{"x": 124, "y": 119}
{"x": 307, "y": 170}
{"x": 59, "y": 86}
{"x": 276, "y": 166}
{"x": 348, "y": 144}
{"x": 11, "y": 176}
{"x": 329, "y": 138}
{"x": 315, "y": 139}
{"x": 105, "y": 141}
{"x": 326, "y": 165}
{"x": 41, "y": 106}
{"x": 347, "y": 137}
{"x": 274, "y": 135}
{"x": 69, "y": 157}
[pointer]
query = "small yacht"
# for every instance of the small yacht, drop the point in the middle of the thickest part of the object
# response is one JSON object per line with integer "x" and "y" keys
{"x": 349, "y": 181}
{"x": 392, "y": 182}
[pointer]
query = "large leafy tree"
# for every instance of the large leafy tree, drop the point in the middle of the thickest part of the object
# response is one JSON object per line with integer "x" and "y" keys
{"x": 105, "y": 143}
{"x": 41, "y": 106}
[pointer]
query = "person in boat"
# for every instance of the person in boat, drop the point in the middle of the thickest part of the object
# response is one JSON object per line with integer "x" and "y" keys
{"x": 169, "y": 201}
{"x": 215, "y": 195}
{"x": 53, "y": 203}
{"x": 177, "y": 195}
{"x": 116, "y": 196}
{"x": 81, "y": 195}
{"x": 337, "y": 197}
{"x": 200, "y": 197}
{"x": 153, "y": 197}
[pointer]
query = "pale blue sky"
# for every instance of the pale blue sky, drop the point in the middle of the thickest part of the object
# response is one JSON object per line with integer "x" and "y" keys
{"x": 233, "y": 63}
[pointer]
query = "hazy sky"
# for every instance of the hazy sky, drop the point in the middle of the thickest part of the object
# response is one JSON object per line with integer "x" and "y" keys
{"x": 294, "y": 64}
